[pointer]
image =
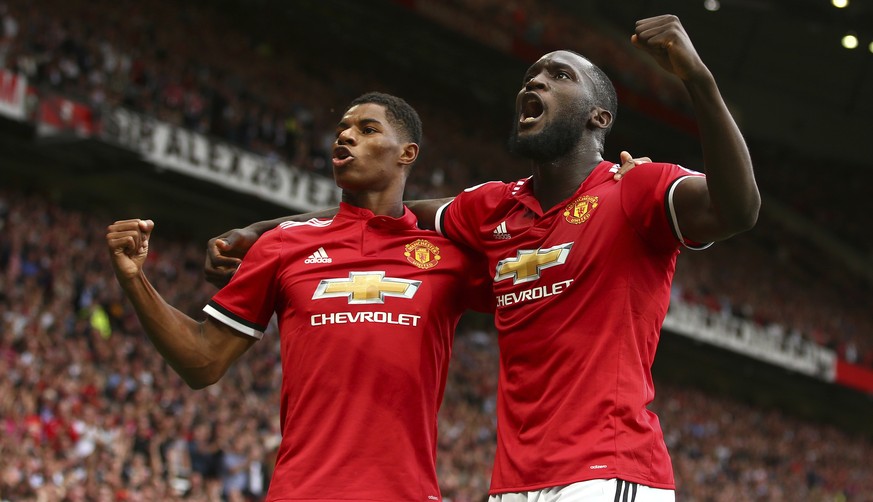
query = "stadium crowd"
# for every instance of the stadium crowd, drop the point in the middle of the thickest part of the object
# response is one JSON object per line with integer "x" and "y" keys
{"x": 88, "y": 409}
{"x": 190, "y": 66}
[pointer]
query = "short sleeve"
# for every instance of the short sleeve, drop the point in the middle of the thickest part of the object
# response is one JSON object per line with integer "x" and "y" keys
{"x": 646, "y": 198}
{"x": 248, "y": 301}
{"x": 457, "y": 220}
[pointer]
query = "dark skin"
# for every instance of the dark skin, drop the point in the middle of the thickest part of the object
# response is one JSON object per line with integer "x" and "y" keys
{"x": 709, "y": 209}
{"x": 714, "y": 208}
{"x": 371, "y": 164}
{"x": 727, "y": 201}
{"x": 559, "y": 80}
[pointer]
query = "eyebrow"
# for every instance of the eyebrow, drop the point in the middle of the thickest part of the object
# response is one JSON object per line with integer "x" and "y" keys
{"x": 562, "y": 65}
{"x": 552, "y": 64}
{"x": 364, "y": 121}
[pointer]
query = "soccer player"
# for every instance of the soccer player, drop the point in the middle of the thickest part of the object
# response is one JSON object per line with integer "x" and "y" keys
{"x": 582, "y": 268}
{"x": 582, "y": 265}
{"x": 367, "y": 305}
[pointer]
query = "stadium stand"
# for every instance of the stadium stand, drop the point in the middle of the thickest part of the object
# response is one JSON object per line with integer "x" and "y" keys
{"x": 89, "y": 407}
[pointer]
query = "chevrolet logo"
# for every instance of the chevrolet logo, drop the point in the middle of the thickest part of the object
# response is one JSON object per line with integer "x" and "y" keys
{"x": 528, "y": 263}
{"x": 366, "y": 287}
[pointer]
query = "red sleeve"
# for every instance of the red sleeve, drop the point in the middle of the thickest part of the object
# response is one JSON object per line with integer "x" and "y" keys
{"x": 458, "y": 220}
{"x": 646, "y": 199}
{"x": 248, "y": 301}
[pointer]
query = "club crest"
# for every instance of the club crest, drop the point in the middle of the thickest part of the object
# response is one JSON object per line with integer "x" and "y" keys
{"x": 422, "y": 254}
{"x": 578, "y": 211}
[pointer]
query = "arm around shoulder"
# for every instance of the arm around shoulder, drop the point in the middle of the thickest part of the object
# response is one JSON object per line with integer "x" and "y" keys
{"x": 225, "y": 252}
{"x": 425, "y": 211}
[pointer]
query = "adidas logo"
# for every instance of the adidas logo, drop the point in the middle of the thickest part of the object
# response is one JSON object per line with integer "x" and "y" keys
{"x": 319, "y": 256}
{"x": 500, "y": 232}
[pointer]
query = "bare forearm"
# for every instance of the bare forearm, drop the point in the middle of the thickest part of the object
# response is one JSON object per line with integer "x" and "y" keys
{"x": 177, "y": 337}
{"x": 730, "y": 179}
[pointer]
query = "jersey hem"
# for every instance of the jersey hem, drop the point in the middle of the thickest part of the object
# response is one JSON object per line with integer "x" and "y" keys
{"x": 555, "y": 484}
{"x": 355, "y": 499}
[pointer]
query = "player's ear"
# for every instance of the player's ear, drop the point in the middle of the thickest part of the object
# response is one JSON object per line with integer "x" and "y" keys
{"x": 599, "y": 118}
{"x": 409, "y": 154}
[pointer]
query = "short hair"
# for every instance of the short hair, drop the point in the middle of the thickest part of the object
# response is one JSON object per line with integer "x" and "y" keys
{"x": 400, "y": 113}
{"x": 603, "y": 87}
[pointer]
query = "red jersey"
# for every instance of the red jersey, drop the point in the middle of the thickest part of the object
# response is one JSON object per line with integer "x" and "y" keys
{"x": 581, "y": 291}
{"x": 367, "y": 307}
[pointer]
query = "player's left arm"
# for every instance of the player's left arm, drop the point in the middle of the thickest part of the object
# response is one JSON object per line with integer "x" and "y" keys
{"x": 727, "y": 201}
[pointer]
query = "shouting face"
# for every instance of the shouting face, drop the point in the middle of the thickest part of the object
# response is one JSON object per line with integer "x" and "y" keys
{"x": 553, "y": 107}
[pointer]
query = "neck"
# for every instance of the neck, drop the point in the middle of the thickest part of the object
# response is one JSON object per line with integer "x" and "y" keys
{"x": 380, "y": 203}
{"x": 556, "y": 180}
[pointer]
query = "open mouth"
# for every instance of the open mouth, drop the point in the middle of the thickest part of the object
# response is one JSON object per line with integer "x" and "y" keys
{"x": 341, "y": 156}
{"x": 531, "y": 108}
{"x": 341, "y": 152}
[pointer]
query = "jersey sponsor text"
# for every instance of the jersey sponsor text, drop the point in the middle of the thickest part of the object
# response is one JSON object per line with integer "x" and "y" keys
{"x": 371, "y": 316}
{"x": 537, "y": 293}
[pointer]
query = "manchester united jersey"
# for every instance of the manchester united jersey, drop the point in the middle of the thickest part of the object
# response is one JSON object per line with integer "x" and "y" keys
{"x": 581, "y": 291}
{"x": 366, "y": 307}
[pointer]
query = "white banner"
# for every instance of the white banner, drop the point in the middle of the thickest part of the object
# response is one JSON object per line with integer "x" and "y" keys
{"x": 13, "y": 90}
{"x": 772, "y": 344}
{"x": 196, "y": 155}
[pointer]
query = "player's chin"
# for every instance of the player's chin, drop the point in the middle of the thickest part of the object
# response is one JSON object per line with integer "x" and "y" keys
{"x": 349, "y": 183}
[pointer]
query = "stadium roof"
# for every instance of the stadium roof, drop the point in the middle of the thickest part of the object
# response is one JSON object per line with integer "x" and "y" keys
{"x": 780, "y": 63}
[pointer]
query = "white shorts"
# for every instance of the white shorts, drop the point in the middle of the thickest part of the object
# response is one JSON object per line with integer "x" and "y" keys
{"x": 595, "y": 490}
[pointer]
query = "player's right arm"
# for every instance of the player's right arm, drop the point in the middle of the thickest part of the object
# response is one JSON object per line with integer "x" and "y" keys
{"x": 200, "y": 352}
{"x": 225, "y": 252}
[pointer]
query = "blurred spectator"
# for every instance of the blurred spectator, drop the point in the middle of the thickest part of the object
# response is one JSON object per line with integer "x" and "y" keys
{"x": 88, "y": 416}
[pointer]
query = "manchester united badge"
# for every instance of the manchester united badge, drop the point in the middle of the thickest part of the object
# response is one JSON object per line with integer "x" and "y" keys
{"x": 578, "y": 211}
{"x": 422, "y": 254}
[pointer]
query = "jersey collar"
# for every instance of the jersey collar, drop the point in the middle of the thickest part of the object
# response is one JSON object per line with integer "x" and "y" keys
{"x": 348, "y": 211}
{"x": 522, "y": 189}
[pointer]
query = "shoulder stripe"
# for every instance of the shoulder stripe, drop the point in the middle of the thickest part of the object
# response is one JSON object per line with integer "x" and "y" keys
{"x": 314, "y": 222}
{"x": 236, "y": 322}
{"x": 519, "y": 184}
{"x": 480, "y": 185}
